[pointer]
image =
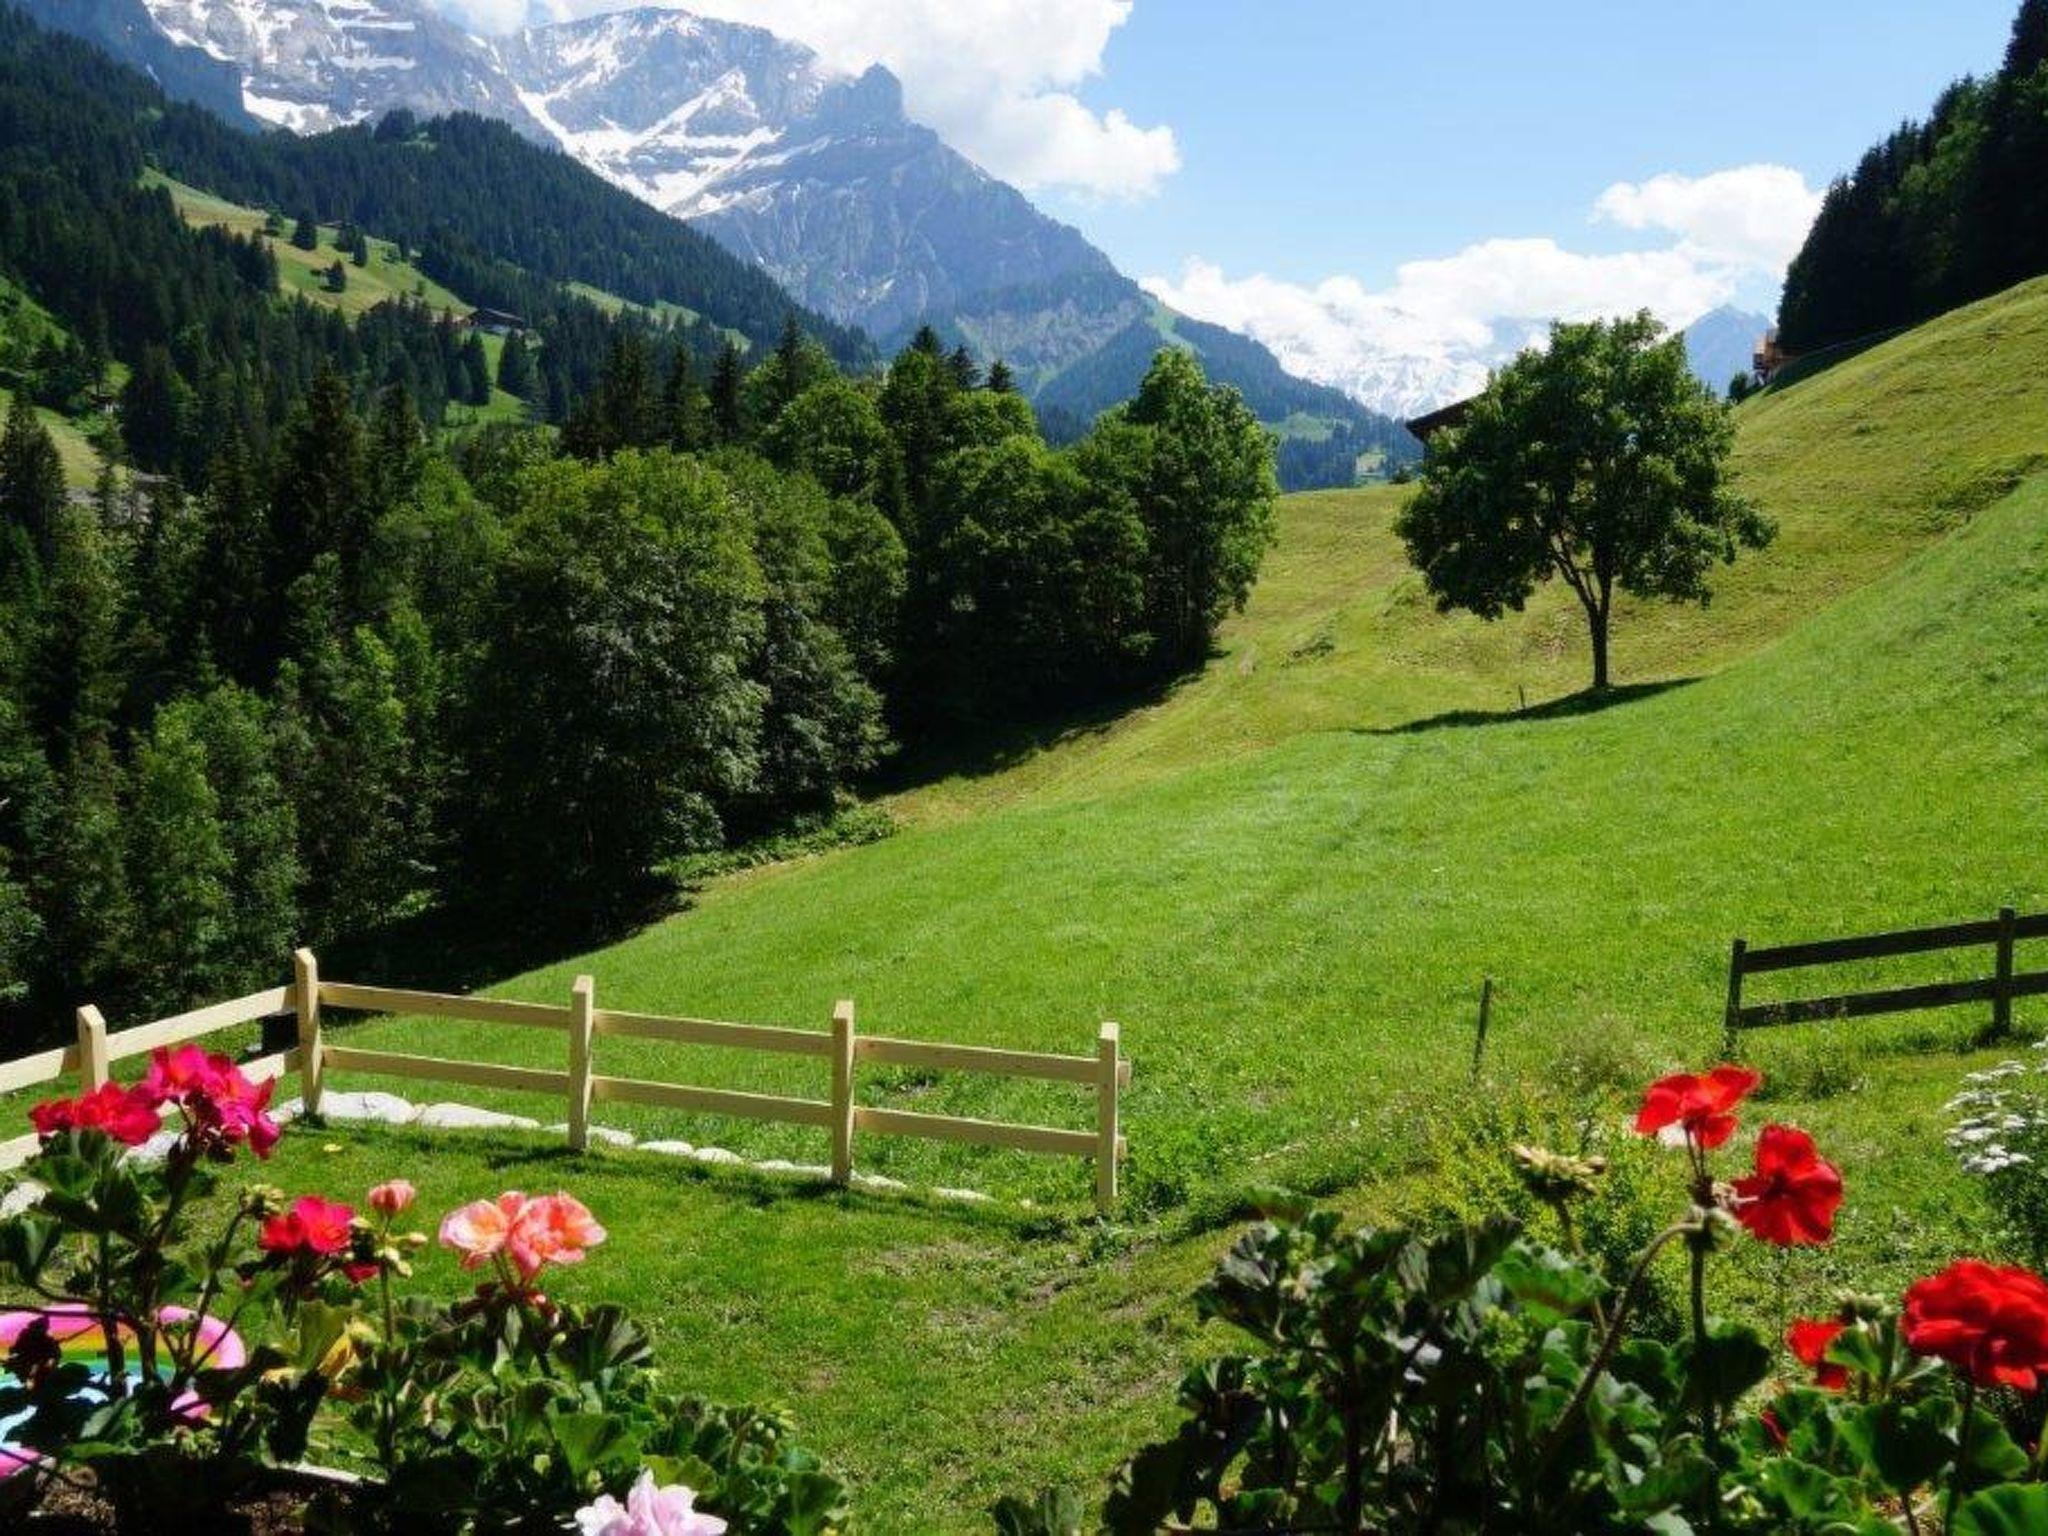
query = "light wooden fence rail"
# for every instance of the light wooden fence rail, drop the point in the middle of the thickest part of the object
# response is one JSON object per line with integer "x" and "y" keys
{"x": 579, "y": 1084}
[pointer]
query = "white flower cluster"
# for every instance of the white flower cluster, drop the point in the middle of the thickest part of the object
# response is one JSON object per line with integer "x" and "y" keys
{"x": 2004, "y": 1120}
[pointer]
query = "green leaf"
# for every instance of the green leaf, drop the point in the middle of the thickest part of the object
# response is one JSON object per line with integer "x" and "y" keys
{"x": 1904, "y": 1445}
{"x": 585, "y": 1439}
{"x": 1723, "y": 1366}
{"x": 1548, "y": 1283}
{"x": 2013, "y": 1510}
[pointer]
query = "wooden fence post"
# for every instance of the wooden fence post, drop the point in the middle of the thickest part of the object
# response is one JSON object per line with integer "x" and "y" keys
{"x": 1736, "y": 952}
{"x": 92, "y": 1049}
{"x": 582, "y": 1005}
{"x": 1485, "y": 1020}
{"x": 1108, "y": 1078}
{"x": 2001, "y": 1000}
{"x": 312, "y": 1053}
{"x": 842, "y": 1091}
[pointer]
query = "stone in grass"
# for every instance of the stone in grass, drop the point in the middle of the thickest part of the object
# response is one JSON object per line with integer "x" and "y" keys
{"x": 971, "y": 1196}
{"x": 382, "y": 1108}
{"x": 669, "y": 1148}
{"x": 716, "y": 1155}
{"x": 607, "y": 1134}
{"x": 24, "y": 1196}
{"x": 467, "y": 1117}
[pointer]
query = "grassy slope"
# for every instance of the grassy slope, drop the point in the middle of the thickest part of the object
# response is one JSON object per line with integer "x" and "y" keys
{"x": 303, "y": 274}
{"x": 1289, "y": 905}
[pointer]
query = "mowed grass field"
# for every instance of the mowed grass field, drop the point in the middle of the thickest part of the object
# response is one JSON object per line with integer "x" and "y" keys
{"x": 1286, "y": 881}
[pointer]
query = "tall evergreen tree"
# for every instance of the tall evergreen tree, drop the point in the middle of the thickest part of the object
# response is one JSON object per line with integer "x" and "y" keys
{"x": 515, "y": 368}
{"x": 178, "y": 869}
{"x": 1001, "y": 380}
{"x": 31, "y": 486}
{"x": 728, "y": 383}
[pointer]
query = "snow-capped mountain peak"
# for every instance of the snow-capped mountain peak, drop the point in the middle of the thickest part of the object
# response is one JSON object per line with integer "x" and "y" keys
{"x": 310, "y": 65}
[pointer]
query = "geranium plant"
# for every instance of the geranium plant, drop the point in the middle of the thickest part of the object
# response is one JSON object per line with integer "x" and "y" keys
{"x": 1477, "y": 1380}
{"x": 131, "y": 1358}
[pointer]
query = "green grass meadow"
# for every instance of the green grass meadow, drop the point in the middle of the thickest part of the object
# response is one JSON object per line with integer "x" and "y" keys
{"x": 1286, "y": 879}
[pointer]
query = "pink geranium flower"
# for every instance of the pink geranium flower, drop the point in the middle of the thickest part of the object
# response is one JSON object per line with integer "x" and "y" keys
{"x": 648, "y": 1511}
{"x": 221, "y": 1106}
{"x": 388, "y": 1199}
{"x": 478, "y": 1230}
{"x": 552, "y": 1229}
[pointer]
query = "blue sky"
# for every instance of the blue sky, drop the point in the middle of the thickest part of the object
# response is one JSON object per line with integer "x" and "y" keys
{"x": 1395, "y": 196}
{"x": 1319, "y": 136}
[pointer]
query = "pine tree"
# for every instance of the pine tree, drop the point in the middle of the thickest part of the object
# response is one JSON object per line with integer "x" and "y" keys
{"x": 515, "y": 368}
{"x": 87, "y": 917}
{"x": 306, "y": 233}
{"x": 359, "y": 249}
{"x": 317, "y": 503}
{"x": 337, "y": 278}
{"x": 31, "y": 485}
{"x": 154, "y": 406}
{"x": 178, "y": 868}
{"x": 235, "y": 606}
{"x": 1001, "y": 381}
{"x": 258, "y": 829}
{"x": 476, "y": 371}
{"x": 728, "y": 383}
{"x": 966, "y": 372}
{"x": 73, "y": 685}
{"x": 682, "y": 404}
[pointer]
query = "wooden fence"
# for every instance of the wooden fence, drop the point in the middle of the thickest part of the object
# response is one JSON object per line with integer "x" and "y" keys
{"x": 1999, "y": 934}
{"x": 580, "y": 1085}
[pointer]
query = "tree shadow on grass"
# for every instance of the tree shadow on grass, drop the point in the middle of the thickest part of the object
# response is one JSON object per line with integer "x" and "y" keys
{"x": 1588, "y": 701}
{"x": 977, "y": 751}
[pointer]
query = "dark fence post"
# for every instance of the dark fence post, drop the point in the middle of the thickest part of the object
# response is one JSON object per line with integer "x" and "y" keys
{"x": 1735, "y": 953}
{"x": 2001, "y": 1000}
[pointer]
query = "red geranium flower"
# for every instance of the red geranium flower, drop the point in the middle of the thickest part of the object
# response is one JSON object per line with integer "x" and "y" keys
{"x": 126, "y": 1114}
{"x": 312, "y": 1225}
{"x": 1794, "y": 1193}
{"x": 1698, "y": 1106}
{"x": 1988, "y": 1321}
{"x": 1808, "y": 1339}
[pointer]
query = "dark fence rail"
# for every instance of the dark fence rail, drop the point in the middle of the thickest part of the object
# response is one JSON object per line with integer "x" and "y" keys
{"x": 1999, "y": 934}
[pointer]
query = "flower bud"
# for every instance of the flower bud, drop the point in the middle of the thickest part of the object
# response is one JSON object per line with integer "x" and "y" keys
{"x": 389, "y": 1199}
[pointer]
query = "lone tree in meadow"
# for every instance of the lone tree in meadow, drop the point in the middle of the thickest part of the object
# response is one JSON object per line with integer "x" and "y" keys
{"x": 1601, "y": 461}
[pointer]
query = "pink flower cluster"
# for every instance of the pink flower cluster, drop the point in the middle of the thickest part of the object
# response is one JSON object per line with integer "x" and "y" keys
{"x": 648, "y": 1511}
{"x": 220, "y": 1106}
{"x": 527, "y": 1232}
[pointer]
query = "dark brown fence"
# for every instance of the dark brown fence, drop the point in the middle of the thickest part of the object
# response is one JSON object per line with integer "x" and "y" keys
{"x": 1999, "y": 935}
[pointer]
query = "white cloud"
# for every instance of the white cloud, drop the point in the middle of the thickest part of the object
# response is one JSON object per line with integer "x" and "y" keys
{"x": 1755, "y": 215}
{"x": 1432, "y": 334}
{"x": 489, "y": 15}
{"x": 996, "y": 78}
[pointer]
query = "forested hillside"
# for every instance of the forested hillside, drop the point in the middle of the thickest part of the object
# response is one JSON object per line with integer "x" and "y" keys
{"x": 311, "y": 666}
{"x": 1943, "y": 211}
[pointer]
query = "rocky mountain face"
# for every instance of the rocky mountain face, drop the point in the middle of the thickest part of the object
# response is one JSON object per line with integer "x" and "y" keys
{"x": 126, "y": 29}
{"x": 1722, "y": 343}
{"x": 309, "y": 65}
{"x": 814, "y": 174}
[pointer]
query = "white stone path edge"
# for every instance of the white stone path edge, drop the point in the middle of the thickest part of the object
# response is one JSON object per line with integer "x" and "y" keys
{"x": 392, "y": 1109}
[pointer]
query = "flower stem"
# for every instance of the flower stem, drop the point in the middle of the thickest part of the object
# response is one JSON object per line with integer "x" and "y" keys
{"x": 1963, "y": 1435}
{"x": 1710, "y": 1416}
{"x": 1609, "y": 1342}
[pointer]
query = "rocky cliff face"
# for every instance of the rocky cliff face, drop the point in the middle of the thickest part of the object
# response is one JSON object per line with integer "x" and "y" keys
{"x": 816, "y": 175}
{"x": 309, "y": 65}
